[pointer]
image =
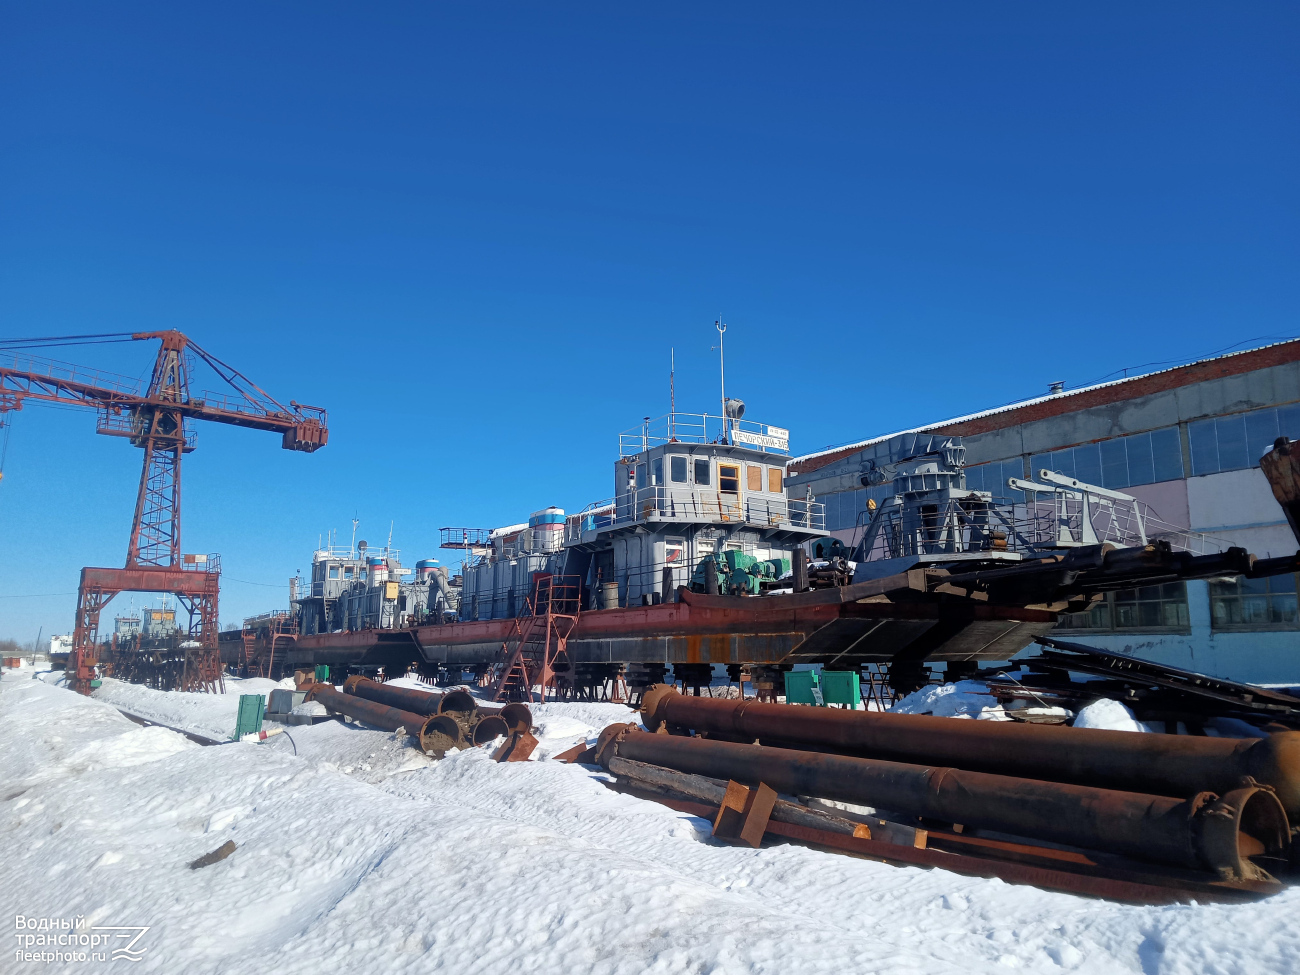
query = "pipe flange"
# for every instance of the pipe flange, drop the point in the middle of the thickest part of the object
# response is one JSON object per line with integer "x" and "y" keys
{"x": 651, "y": 700}
{"x": 607, "y": 744}
{"x": 1244, "y": 823}
{"x": 439, "y": 735}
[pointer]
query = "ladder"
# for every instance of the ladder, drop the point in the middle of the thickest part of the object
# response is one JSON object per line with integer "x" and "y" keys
{"x": 541, "y": 640}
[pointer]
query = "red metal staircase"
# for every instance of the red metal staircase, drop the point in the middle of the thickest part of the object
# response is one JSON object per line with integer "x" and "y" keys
{"x": 542, "y": 642}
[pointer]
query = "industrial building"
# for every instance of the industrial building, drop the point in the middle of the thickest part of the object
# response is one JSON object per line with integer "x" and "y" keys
{"x": 1186, "y": 443}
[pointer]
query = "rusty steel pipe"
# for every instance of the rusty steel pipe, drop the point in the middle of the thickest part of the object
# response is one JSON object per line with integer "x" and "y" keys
{"x": 1202, "y": 831}
{"x": 490, "y": 728}
{"x": 405, "y": 698}
{"x": 1167, "y": 765}
{"x": 457, "y": 702}
{"x": 518, "y": 717}
{"x": 441, "y": 733}
{"x": 429, "y": 703}
{"x": 371, "y": 712}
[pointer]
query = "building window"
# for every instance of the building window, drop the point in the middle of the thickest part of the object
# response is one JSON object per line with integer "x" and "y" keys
{"x": 992, "y": 477}
{"x": 1254, "y": 604}
{"x": 1231, "y": 443}
{"x": 774, "y": 480}
{"x": 754, "y": 477}
{"x": 1143, "y": 458}
{"x": 702, "y": 472}
{"x": 677, "y": 469}
{"x": 728, "y": 479}
{"x": 1162, "y": 607}
{"x": 1152, "y": 607}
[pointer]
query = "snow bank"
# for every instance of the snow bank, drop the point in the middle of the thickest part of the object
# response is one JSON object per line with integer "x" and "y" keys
{"x": 1108, "y": 715}
{"x": 210, "y": 715}
{"x": 468, "y": 866}
{"x": 960, "y": 699}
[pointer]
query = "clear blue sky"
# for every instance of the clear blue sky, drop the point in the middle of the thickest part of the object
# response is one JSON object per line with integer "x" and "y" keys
{"x": 474, "y": 231}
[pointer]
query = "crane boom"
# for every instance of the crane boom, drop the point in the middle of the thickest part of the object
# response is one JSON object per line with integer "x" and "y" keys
{"x": 154, "y": 418}
{"x": 44, "y": 380}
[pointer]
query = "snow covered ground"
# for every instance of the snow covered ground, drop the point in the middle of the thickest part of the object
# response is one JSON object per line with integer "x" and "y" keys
{"x": 360, "y": 855}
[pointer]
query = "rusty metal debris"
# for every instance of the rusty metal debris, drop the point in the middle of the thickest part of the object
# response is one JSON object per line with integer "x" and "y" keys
{"x": 519, "y": 747}
{"x": 216, "y": 856}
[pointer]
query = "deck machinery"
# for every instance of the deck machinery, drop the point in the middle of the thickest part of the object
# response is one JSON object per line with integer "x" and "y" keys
{"x": 939, "y": 573}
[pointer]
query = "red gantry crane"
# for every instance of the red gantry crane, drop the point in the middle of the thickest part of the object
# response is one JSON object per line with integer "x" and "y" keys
{"x": 154, "y": 419}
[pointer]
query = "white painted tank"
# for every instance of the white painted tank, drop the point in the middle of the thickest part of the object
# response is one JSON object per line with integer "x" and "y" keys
{"x": 547, "y": 529}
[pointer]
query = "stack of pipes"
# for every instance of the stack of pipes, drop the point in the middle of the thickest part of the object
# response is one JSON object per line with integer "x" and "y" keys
{"x": 440, "y": 722}
{"x": 1224, "y": 805}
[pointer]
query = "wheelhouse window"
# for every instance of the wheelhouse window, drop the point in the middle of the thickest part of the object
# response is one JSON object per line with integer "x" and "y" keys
{"x": 334, "y": 571}
{"x": 774, "y": 475}
{"x": 754, "y": 477}
{"x": 658, "y": 471}
{"x": 1254, "y": 604}
{"x": 677, "y": 469}
{"x": 640, "y": 475}
{"x": 728, "y": 479}
{"x": 674, "y": 551}
{"x": 347, "y": 572}
{"x": 702, "y": 471}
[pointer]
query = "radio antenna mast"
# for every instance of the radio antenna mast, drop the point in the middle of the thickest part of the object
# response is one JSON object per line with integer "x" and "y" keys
{"x": 722, "y": 373}
{"x": 672, "y": 394}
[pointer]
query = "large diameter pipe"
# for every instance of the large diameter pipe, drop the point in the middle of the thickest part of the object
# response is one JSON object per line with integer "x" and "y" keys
{"x": 371, "y": 712}
{"x": 1168, "y": 765}
{"x": 429, "y": 703}
{"x": 404, "y": 698}
{"x": 1201, "y": 832}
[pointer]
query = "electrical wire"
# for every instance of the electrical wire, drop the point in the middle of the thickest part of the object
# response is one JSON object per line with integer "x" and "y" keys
{"x": 53, "y": 341}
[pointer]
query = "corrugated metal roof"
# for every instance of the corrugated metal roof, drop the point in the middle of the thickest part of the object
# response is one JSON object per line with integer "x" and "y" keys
{"x": 848, "y": 448}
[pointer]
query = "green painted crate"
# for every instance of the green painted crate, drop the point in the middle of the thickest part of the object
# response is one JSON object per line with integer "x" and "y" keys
{"x": 249, "y": 720}
{"x": 841, "y": 687}
{"x": 323, "y": 673}
{"x": 801, "y": 687}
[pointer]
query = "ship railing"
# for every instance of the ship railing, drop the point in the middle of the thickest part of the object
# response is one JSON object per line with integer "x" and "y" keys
{"x": 693, "y": 505}
{"x": 1028, "y": 527}
{"x": 703, "y": 428}
{"x": 464, "y": 537}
